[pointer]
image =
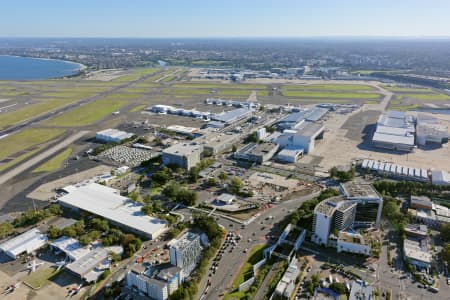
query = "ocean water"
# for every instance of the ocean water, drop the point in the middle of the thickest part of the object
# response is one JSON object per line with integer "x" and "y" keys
{"x": 27, "y": 68}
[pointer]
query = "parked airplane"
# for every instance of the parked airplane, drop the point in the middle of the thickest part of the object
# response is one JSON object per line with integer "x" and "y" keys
{"x": 11, "y": 288}
{"x": 74, "y": 291}
{"x": 34, "y": 265}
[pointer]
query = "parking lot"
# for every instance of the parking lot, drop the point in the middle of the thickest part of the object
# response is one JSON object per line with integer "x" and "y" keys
{"x": 131, "y": 157}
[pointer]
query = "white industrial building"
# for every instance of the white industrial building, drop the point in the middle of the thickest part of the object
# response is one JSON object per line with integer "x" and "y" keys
{"x": 333, "y": 213}
{"x": 303, "y": 137}
{"x": 395, "y": 171}
{"x": 185, "y": 155}
{"x": 107, "y": 202}
{"x": 429, "y": 130}
{"x": 225, "y": 198}
{"x": 294, "y": 120}
{"x": 156, "y": 282}
{"x": 27, "y": 242}
{"x": 112, "y": 136}
{"x": 256, "y": 152}
{"x": 190, "y": 131}
{"x": 395, "y": 131}
{"x": 233, "y": 116}
{"x": 90, "y": 266}
{"x": 186, "y": 253}
{"x": 289, "y": 155}
{"x": 439, "y": 177}
{"x": 69, "y": 246}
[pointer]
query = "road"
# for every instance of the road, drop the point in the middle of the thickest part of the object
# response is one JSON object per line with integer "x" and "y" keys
{"x": 252, "y": 235}
{"x": 40, "y": 157}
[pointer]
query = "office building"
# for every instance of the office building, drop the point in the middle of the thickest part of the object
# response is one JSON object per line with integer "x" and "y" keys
{"x": 331, "y": 214}
{"x": 184, "y": 155}
{"x": 186, "y": 252}
{"x": 369, "y": 202}
{"x": 157, "y": 282}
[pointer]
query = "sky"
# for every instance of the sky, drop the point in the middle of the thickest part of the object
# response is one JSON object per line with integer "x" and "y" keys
{"x": 224, "y": 18}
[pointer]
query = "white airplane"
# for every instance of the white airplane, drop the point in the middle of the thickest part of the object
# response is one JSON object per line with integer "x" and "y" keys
{"x": 75, "y": 290}
{"x": 11, "y": 288}
{"x": 116, "y": 113}
{"x": 60, "y": 264}
{"x": 34, "y": 265}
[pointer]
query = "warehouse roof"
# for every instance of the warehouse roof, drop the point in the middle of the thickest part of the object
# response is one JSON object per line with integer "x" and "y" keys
{"x": 71, "y": 247}
{"x": 232, "y": 115}
{"x": 183, "y": 129}
{"x": 114, "y": 133}
{"x": 28, "y": 242}
{"x": 86, "y": 263}
{"x": 291, "y": 153}
{"x": 309, "y": 129}
{"x": 106, "y": 202}
{"x": 394, "y": 139}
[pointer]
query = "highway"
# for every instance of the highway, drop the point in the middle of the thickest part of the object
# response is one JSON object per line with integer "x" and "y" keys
{"x": 252, "y": 234}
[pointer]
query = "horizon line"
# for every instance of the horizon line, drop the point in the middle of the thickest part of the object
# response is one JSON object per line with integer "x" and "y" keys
{"x": 239, "y": 37}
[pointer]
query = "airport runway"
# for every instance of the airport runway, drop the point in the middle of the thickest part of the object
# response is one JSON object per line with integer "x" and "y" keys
{"x": 36, "y": 159}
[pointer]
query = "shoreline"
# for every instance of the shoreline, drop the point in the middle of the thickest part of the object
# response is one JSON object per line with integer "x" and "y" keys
{"x": 77, "y": 71}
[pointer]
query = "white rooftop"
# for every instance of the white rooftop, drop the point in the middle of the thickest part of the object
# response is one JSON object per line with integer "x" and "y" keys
{"x": 183, "y": 149}
{"x": 414, "y": 250}
{"x": 28, "y": 242}
{"x": 114, "y": 133}
{"x": 85, "y": 264}
{"x": 71, "y": 247}
{"x": 395, "y": 139}
{"x": 107, "y": 203}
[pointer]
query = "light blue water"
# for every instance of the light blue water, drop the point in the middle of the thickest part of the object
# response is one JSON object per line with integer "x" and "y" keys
{"x": 27, "y": 68}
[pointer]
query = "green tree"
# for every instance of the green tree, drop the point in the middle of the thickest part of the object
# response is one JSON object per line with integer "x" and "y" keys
{"x": 147, "y": 209}
{"x": 55, "y": 210}
{"x": 445, "y": 232}
{"x": 194, "y": 174}
{"x": 53, "y": 232}
{"x": 161, "y": 177}
{"x": 84, "y": 240}
{"x": 6, "y": 229}
{"x": 235, "y": 185}
{"x": 445, "y": 253}
{"x": 99, "y": 224}
{"x": 338, "y": 287}
{"x": 223, "y": 176}
{"x": 69, "y": 231}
